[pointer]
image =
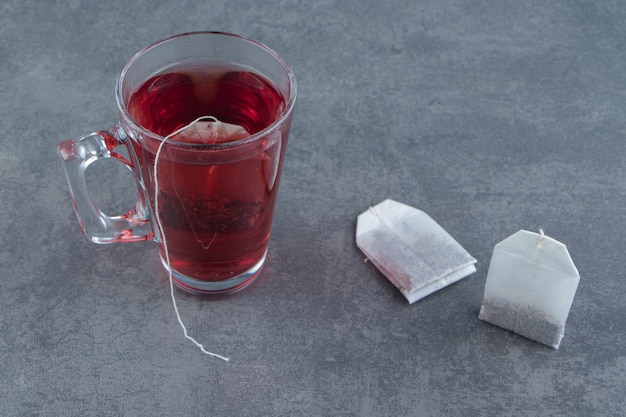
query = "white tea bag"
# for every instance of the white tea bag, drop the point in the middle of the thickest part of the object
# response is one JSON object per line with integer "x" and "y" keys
{"x": 530, "y": 287}
{"x": 208, "y": 130}
{"x": 416, "y": 254}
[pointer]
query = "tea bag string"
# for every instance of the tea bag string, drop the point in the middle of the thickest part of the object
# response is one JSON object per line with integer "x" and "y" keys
{"x": 541, "y": 236}
{"x": 163, "y": 238}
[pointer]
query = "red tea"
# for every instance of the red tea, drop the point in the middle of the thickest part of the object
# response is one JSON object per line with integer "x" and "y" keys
{"x": 216, "y": 214}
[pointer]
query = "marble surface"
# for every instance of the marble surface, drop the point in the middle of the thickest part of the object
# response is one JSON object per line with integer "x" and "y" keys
{"x": 489, "y": 116}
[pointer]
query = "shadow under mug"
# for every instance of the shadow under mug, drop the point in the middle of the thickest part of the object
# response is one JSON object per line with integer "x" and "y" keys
{"x": 215, "y": 201}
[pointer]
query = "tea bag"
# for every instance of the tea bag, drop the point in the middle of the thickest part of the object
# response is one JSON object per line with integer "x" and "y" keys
{"x": 416, "y": 254}
{"x": 530, "y": 287}
{"x": 208, "y": 130}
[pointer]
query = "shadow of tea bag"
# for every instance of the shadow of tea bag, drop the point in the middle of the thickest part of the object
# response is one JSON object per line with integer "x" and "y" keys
{"x": 416, "y": 254}
{"x": 530, "y": 287}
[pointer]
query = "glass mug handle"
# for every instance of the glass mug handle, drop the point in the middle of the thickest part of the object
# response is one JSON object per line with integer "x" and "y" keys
{"x": 76, "y": 156}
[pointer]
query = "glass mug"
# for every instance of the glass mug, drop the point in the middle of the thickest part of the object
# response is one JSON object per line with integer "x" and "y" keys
{"x": 204, "y": 123}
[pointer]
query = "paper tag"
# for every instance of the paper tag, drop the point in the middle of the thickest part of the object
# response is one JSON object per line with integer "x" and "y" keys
{"x": 530, "y": 287}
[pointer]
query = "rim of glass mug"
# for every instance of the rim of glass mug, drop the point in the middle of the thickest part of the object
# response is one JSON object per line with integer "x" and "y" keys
{"x": 123, "y": 92}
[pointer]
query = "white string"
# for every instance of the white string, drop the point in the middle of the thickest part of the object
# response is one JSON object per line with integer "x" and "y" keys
{"x": 162, "y": 235}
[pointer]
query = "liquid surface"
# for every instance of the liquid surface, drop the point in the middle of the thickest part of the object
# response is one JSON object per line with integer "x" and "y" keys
{"x": 169, "y": 101}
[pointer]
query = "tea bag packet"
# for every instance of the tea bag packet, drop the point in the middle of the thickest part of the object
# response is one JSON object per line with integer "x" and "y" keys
{"x": 209, "y": 129}
{"x": 530, "y": 287}
{"x": 414, "y": 252}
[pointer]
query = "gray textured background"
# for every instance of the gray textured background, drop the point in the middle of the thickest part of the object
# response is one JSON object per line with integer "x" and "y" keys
{"x": 489, "y": 116}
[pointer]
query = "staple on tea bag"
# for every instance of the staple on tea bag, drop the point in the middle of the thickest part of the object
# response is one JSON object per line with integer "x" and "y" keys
{"x": 415, "y": 253}
{"x": 530, "y": 287}
{"x": 208, "y": 130}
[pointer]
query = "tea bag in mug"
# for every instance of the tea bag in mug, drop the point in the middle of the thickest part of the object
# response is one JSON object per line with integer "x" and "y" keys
{"x": 414, "y": 252}
{"x": 207, "y": 130}
{"x": 530, "y": 287}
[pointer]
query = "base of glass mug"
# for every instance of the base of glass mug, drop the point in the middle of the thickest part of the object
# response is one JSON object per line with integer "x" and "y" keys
{"x": 224, "y": 287}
